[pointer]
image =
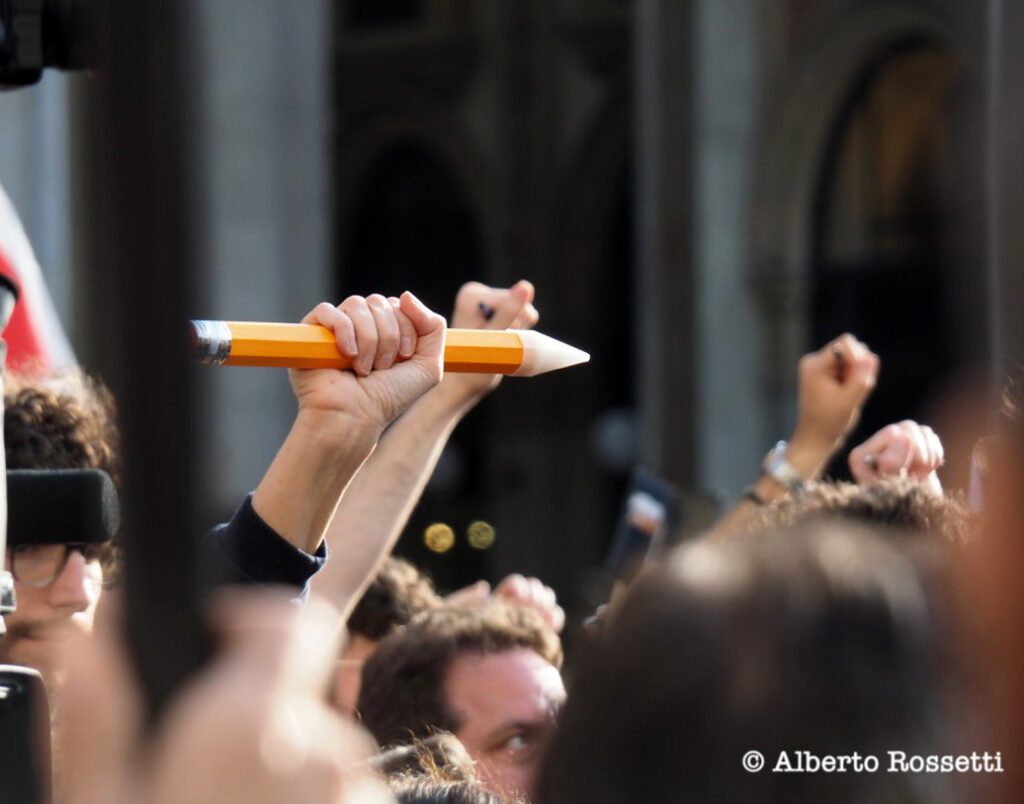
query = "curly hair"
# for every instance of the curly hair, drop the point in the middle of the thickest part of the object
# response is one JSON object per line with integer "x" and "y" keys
{"x": 902, "y": 505}
{"x": 402, "y": 694}
{"x": 66, "y": 420}
{"x": 398, "y": 593}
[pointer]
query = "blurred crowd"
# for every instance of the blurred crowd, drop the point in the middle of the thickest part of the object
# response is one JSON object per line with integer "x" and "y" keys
{"x": 823, "y": 641}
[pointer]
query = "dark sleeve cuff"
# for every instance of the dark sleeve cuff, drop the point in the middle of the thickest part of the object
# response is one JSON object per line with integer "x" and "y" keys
{"x": 247, "y": 550}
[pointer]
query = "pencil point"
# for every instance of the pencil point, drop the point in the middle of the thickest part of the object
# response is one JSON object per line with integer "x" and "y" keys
{"x": 543, "y": 354}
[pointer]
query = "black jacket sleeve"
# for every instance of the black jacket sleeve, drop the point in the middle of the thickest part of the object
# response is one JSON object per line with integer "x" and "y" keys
{"x": 246, "y": 550}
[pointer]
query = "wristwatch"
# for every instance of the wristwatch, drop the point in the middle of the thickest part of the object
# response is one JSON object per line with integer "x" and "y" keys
{"x": 781, "y": 470}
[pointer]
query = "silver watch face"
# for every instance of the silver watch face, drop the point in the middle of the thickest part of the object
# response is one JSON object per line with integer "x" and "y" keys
{"x": 777, "y": 467}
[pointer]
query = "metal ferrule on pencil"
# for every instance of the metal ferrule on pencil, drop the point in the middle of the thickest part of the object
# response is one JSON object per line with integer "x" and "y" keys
{"x": 211, "y": 342}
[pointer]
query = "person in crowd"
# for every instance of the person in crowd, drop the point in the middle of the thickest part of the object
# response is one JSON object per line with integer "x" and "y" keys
{"x": 397, "y": 594}
{"x": 276, "y": 536}
{"x": 487, "y": 673}
{"x": 64, "y": 421}
{"x": 991, "y": 584}
{"x": 903, "y": 506}
{"x": 833, "y": 385}
{"x": 251, "y": 727}
{"x": 376, "y": 507}
{"x": 823, "y": 640}
{"x": 897, "y": 487}
{"x": 400, "y": 592}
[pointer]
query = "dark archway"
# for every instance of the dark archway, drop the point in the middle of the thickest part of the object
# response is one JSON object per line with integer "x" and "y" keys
{"x": 880, "y": 256}
{"x": 409, "y": 225}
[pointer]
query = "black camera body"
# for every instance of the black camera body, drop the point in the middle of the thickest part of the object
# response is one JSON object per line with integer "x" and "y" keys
{"x": 24, "y": 737}
{"x": 35, "y": 34}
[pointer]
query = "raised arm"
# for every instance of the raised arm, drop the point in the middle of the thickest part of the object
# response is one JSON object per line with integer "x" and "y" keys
{"x": 376, "y": 506}
{"x": 834, "y": 384}
{"x": 342, "y": 414}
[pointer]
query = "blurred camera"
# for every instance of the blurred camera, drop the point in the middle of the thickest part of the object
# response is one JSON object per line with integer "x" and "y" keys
{"x": 35, "y": 34}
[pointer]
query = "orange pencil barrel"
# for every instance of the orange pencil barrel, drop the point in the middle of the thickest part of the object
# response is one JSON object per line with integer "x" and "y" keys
{"x": 483, "y": 351}
{"x": 247, "y": 343}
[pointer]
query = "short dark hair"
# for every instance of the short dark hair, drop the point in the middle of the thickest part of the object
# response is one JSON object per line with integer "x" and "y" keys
{"x": 903, "y": 505}
{"x": 402, "y": 693}
{"x": 398, "y": 593}
{"x": 821, "y": 638}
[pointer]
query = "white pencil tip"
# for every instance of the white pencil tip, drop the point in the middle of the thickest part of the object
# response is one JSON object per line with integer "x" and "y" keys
{"x": 543, "y": 354}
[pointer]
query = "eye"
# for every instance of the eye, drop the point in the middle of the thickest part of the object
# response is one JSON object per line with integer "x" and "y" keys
{"x": 32, "y": 550}
{"x": 519, "y": 748}
{"x": 516, "y": 743}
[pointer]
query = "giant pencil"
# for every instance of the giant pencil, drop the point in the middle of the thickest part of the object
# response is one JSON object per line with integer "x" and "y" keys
{"x": 521, "y": 353}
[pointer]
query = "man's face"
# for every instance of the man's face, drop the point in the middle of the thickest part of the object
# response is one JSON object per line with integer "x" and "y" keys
{"x": 46, "y": 616}
{"x": 506, "y": 703}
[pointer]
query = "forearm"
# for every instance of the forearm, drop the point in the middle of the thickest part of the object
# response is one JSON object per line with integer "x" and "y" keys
{"x": 806, "y": 453}
{"x": 299, "y": 492}
{"x": 377, "y": 504}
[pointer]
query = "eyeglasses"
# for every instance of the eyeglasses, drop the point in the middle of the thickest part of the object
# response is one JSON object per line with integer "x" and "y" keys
{"x": 38, "y": 565}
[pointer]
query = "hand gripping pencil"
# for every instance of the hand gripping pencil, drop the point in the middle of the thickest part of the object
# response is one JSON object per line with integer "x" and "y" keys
{"x": 520, "y": 353}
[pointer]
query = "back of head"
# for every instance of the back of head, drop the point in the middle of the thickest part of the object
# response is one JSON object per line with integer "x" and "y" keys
{"x": 398, "y": 593}
{"x": 402, "y": 694}
{"x": 819, "y": 638}
{"x": 439, "y": 757}
{"x": 437, "y": 770}
{"x": 419, "y": 790}
{"x": 904, "y": 506}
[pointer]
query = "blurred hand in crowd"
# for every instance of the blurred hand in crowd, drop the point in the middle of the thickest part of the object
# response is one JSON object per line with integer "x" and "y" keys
{"x": 375, "y": 332}
{"x": 834, "y": 384}
{"x": 253, "y": 727}
{"x": 903, "y": 449}
{"x": 517, "y": 590}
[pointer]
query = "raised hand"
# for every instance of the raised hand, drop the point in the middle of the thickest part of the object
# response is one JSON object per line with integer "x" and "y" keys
{"x": 904, "y": 449}
{"x": 834, "y": 384}
{"x": 375, "y": 332}
{"x": 516, "y": 590}
{"x": 478, "y": 306}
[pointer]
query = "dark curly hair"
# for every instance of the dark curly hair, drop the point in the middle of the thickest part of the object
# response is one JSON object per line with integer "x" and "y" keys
{"x": 403, "y": 691}
{"x": 65, "y": 420}
{"x": 397, "y": 594}
{"x": 902, "y": 505}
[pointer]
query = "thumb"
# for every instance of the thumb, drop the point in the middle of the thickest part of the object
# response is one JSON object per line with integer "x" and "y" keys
{"x": 861, "y": 378}
{"x": 425, "y": 320}
{"x": 430, "y": 329}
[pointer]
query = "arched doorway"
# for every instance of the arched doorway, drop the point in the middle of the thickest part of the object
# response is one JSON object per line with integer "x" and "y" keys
{"x": 880, "y": 257}
{"x": 408, "y": 224}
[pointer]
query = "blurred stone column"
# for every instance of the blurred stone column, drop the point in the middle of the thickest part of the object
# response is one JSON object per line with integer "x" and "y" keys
{"x": 264, "y": 233}
{"x": 1006, "y": 184}
{"x": 730, "y": 414}
{"x": 666, "y": 318}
